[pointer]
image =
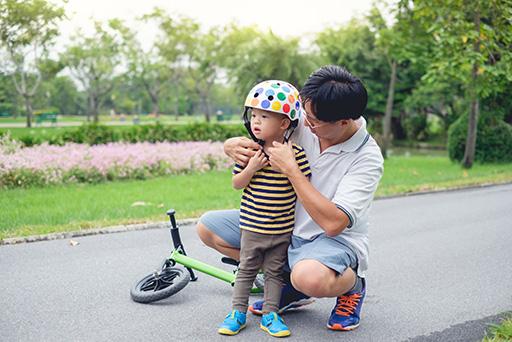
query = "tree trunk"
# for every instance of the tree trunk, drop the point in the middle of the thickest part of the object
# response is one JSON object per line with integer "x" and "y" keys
{"x": 89, "y": 107}
{"x": 206, "y": 108}
{"x": 96, "y": 111}
{"x": 386, "y": 121}
{"x": 469, "y": 152}
{"x": 28, "y": 107}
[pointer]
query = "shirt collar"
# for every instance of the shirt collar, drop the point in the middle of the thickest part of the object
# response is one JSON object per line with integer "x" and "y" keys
{"x": 354, "y": 142}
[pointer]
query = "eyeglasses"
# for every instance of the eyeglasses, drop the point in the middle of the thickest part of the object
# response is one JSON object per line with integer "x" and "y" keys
{"x": 314, "y": 123}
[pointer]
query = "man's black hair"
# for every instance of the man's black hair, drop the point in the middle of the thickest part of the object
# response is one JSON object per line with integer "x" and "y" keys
{"x": 334, "y": 94}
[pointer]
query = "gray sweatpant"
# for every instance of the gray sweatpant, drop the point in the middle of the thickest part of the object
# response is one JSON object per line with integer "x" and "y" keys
{"x": 266, "y": 251}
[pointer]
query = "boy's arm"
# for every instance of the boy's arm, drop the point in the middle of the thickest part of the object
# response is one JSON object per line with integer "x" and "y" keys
{"x": 242, "y": 177}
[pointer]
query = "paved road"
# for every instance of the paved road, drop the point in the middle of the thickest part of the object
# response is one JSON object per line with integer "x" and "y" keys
{"x": 440, "y": 271}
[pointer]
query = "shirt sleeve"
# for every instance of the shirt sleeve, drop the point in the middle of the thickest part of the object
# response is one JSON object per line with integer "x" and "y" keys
{"x": 302, "y": 161}
{"x": 355, "y": 192}
{"x": 237, "y": 169}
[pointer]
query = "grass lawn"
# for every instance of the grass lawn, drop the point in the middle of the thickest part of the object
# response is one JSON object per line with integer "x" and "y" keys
{"x": 501, "y": 332}
{"x": 74, "y": 207}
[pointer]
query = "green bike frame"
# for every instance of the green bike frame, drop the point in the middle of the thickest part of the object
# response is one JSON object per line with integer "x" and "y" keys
{"x": 179, "y": 256}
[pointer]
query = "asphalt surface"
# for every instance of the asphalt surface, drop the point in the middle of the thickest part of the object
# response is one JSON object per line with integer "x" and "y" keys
{"x": 440, "y": 270}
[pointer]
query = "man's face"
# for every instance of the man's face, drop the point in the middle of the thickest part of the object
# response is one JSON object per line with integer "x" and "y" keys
{"x": 320, "y": 128}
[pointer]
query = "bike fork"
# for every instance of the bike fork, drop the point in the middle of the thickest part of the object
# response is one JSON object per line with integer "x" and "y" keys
{"x": 176, "y": 240}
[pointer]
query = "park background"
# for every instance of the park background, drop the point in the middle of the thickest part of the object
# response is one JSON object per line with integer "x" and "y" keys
{"x": 112, "y": 120}
{"x": 112, "y": 112}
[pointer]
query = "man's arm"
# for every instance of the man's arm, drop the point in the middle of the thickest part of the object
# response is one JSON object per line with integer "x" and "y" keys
{"x": 324, "y": 212}
{"x": 241, "y": 149}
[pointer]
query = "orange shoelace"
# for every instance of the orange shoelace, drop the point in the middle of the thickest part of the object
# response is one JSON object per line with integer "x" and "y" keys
{"x": 347, "y": 304}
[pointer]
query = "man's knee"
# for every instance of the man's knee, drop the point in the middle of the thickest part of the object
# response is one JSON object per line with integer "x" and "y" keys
{"x": 306, "y": 278}
{"x": 205, "y": 234}
{"x": 209, "y": 238}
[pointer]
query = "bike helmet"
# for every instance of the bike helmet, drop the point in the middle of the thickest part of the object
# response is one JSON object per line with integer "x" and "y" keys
{"x": 274, "y": 96}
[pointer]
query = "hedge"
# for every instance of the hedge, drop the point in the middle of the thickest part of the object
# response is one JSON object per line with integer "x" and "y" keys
{"x": 93, "y": 134}
{"x": 493, "y": 140}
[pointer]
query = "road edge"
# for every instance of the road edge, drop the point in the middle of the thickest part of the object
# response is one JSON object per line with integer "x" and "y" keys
{"x": 165, "y": 224}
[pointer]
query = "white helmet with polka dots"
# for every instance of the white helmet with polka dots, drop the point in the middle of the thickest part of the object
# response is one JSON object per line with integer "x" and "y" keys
{"x": 275, "y": 96}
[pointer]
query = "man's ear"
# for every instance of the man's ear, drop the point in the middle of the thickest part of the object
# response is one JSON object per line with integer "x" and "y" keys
{"x": 344, "y": 122}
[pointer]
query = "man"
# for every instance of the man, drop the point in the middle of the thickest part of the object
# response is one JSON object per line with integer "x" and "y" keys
{"x": 328, "y": 255}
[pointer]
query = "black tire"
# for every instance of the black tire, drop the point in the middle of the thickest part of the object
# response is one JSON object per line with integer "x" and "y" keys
{"x": 160, "y": 285}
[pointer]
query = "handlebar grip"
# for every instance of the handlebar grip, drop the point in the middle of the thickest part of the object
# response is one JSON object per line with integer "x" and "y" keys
{"x": 171, "y": 213}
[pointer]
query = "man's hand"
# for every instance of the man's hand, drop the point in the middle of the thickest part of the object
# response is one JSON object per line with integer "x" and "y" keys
{"x": 257, "y": 162}
{"x": 241, "y": 149}
{"x": 282, "y": 158}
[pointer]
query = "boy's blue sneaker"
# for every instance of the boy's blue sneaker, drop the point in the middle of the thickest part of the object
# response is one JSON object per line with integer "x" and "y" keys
{"x": 274, "y": 325}
{"x": 290, "y": 299}
{"x": 346, "y": 312}
{"x": 233, "y": 323}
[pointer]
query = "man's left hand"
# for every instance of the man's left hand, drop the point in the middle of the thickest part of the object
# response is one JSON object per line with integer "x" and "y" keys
{"x": 282, "y": 158}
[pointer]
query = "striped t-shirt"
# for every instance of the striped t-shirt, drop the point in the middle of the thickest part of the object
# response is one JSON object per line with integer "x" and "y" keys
{"x": 268, "y": 201}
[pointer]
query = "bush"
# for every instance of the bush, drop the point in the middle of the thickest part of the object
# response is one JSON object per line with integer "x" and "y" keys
{"x": 416, "y": 126}
{"x": 98, "y": 134}
{"x": 493, "y": 141}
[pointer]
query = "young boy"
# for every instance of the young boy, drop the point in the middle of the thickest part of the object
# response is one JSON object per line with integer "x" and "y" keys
{"x": 267, "y": 208}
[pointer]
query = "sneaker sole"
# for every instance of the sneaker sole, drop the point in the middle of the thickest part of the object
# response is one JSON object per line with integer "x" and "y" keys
{"x": 224, "y": 331}
{"x": 283, "y": 333}
{"x": 291, "y": 306}
{"x": 339, "y": 327}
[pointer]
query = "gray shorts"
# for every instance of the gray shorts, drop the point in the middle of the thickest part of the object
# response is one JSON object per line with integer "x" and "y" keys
{"x": 333, "y": 252}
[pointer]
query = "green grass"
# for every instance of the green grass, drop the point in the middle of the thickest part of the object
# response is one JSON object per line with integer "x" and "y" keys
{"x": 501, "y": 332}
{"x": 74, "y": 207}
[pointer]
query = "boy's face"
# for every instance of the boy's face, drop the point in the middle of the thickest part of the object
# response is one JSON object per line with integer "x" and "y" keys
{"x": 268, "y": 125}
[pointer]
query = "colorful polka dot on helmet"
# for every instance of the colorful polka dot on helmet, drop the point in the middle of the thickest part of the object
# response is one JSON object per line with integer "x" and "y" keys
{"x": 275, "y": 96}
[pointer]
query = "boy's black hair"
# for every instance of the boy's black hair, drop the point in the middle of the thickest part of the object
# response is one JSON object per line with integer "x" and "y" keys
{"x": 335, "y": 94}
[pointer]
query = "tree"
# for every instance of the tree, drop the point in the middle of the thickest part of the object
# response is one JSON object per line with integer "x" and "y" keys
{"x": 202, "y": 64}
{"x": 262, "y": 56}
{"x": 93, "y": 61}
{"x": 473, "y": 46}
{"x": 27, "y": 29}
{"x": 353, "y": 46}
{"x": 154, "y": 68}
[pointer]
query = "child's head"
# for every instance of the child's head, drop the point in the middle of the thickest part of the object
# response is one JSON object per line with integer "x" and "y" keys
{"x": 268, "y": 125}
{"x": 274, "y": 109}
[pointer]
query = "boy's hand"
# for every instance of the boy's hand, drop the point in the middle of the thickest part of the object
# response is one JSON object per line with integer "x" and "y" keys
{"x": 241, "y": 149}
{"x": 257, "y": 162}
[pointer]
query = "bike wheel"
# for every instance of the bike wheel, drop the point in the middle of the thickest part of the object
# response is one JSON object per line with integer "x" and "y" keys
{"x": 160, "y": 285}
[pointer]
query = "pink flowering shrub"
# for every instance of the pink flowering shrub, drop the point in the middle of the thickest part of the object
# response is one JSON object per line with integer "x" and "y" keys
{"x": 72, "y": 163}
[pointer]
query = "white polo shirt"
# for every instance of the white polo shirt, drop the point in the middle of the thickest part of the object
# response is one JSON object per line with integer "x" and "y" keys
{"x": 348, "y": 174}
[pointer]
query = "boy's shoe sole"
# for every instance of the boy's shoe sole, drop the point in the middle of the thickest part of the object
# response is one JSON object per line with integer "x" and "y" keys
{"x": 224, "y": 331}
{"x": 338, "y": 327}
{"x": 283, "y": 333}
{"x": 293, "y": 305}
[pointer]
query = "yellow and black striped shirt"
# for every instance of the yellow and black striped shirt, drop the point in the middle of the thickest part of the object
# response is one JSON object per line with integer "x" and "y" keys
{"x": 268, "y": 201}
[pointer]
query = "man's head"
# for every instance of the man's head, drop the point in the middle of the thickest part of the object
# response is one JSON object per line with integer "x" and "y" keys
{"x": 332, "y": 93}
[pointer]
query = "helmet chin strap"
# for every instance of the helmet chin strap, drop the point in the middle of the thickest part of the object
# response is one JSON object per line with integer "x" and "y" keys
{"x": 247, "y": 124}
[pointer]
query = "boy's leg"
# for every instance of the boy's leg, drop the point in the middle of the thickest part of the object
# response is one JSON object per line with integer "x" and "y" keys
{"x": 273, "y": 264}
{"x": 220, "y": 230}
{"x": 251, "y": 258}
